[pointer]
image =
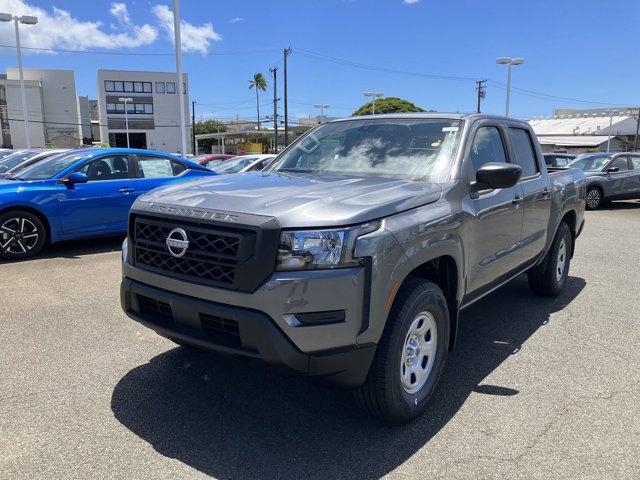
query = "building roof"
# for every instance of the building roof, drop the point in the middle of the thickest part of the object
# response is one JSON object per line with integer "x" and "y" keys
{"x": 574, "y": 140}
{"x": 599, "y": 125}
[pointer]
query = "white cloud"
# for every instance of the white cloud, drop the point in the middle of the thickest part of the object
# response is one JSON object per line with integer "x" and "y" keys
{"x": 236, "y": 20}
{"x": 58, "y": 29}
{"x": 194, "y": 38}
{"x": 410, "y": 2}
{"x": 120, "y": 12}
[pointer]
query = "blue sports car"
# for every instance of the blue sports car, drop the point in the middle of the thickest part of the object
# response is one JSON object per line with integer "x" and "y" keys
{"x": 81, "y": 193}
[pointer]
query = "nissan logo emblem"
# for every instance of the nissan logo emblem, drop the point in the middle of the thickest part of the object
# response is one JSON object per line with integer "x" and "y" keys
{"x": 177, "y": 242}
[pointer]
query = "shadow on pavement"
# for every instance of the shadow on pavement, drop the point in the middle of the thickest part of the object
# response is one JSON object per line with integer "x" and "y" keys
{"x": 232, "y": 419}
{"x": 620, "y": 205}
{"x": 79, "y": 248}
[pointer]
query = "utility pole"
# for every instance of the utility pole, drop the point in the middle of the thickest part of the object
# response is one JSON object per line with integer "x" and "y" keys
{"x": 193, "y": 126}
{"x": 635, "y": 142}
{"x": 274, "y": 72}
{"x": 286, "y": 52}
{"x": 482, "y": 91}
{"x": 181, "y": 93}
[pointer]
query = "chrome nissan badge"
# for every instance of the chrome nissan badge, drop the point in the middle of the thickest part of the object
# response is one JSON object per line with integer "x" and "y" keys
{"x": 177, "y": 242}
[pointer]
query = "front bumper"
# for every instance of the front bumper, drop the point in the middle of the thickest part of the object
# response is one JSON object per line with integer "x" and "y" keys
{"x": 240, "y": 331}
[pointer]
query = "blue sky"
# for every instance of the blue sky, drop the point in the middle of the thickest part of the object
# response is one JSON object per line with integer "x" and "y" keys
{"x": 579, "y": 49}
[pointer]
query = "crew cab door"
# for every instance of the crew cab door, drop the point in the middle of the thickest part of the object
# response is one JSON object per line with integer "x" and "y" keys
{"x": 635, "y": 175}
{"x": 536, "y": 189}
{"x": 495, "y": 225}
{"x": 155, "y": 171}
{"x": 102, "y": 204}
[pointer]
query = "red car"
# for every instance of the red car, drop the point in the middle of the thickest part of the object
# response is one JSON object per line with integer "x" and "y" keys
{"x": 210, "y": 160}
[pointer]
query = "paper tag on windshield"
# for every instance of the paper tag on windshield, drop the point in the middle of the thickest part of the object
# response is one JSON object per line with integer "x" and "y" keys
{"x": 450, "y": 129}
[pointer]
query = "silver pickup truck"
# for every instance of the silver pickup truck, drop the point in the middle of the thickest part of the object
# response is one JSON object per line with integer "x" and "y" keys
{"x": 353, "y": 256}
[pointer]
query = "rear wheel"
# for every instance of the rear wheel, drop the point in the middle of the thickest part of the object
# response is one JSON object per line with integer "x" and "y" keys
{"x": 549, "y": 279}
{"x": 594, "y": 198}
{"x": 410, "y": 356}
{"x": 22, "y": 235}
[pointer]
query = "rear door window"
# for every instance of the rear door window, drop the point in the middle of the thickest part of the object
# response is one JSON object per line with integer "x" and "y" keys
{"x": 525, "y": 153}
{"x": 635, "y": 163}
{"x": 158, "y": 167}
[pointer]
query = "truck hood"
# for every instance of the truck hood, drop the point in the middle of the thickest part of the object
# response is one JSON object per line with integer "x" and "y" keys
{"x": 298, "y": 200}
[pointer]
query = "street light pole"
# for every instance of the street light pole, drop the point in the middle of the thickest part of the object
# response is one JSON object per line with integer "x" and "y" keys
{"x": 510, "y": 62}
{"x": 126, "y": 100}
{"x": 27, "y": 20}
{"x": 321, "y": 106}
{"x": 176, "y": 28}
{"x": 611, "y": 112}
{"x": 373, "y": 103}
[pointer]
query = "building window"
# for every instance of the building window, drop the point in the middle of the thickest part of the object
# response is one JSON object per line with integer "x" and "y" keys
{"x": 119, "y": 86}
{"x": 159, "y": 87}
{"x": 184, "y": 87}
{"x": 137, "y": 87}
{"x": 171, "y": 87}
{"x": 132, "y": 108}
{"x": 146, "y": 87}
{"x": 109, "y": 86}
{"x": 128, "y": 86}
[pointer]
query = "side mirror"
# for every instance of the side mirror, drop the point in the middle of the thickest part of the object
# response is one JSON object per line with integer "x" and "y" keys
{"x": 497, "y": 175}
{"x": 613, "y": 169}
{"x": 75, "y": 177}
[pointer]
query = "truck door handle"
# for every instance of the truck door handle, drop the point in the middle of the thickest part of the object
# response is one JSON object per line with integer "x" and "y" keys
{"x": 546, "y": 192}
{"x": 517, "y": 200}
{"x": 126, "y": 190}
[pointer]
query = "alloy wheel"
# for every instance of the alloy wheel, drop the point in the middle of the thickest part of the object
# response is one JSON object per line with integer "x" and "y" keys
{"x": 18, "y": 235}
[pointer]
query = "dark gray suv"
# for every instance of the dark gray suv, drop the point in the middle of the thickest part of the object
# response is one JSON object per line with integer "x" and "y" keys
{"x": 610, "y": 176}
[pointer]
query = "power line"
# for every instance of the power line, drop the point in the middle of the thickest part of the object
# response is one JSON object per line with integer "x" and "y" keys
{"x": 141, "y": 54}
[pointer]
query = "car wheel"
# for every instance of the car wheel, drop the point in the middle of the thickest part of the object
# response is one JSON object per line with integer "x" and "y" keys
{"x": 410, "y": 356}
{"x": 594, "y": 198}
{"x": 549, "y": 279}
{"x": 22, "y": 235}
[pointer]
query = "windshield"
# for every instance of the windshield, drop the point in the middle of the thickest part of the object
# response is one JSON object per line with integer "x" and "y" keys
{"x": 415, "y": 149}
{"x": 236, "y": 164}
{"x": 14, "y": 159}
{"x": 50, "y": 167}
{"x": 590, "y": 163}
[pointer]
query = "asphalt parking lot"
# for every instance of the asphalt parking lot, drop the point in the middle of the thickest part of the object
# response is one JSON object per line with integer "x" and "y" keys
{"x": 537, "y": 388}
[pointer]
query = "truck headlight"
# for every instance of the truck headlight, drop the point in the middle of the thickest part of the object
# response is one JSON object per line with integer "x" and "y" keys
{"x": 320, "y": 249}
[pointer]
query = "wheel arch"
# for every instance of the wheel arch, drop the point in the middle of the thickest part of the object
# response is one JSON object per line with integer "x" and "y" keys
{"x": 444, "y": 271}
{"x": 34, "y": 211}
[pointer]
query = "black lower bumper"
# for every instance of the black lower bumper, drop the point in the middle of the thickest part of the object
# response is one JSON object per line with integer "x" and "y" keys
{"x": 238, "y": 331}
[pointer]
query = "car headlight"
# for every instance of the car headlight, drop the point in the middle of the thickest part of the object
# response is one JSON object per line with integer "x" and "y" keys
{"x": 316, "y": 249}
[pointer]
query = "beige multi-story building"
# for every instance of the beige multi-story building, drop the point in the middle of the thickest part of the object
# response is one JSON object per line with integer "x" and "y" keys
{"x": 52, "y": 108}
{"x": 153, "y": 113}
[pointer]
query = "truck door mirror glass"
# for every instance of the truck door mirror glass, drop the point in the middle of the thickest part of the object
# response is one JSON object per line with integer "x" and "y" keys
{"x": 497, "y": 175}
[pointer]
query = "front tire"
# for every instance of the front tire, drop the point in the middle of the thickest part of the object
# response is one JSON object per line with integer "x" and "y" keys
{"x": 22, "y": 235}
{"x": 549, "y": 279}
{"x": 410, "y": 356}
{"x": 595, "y": 198}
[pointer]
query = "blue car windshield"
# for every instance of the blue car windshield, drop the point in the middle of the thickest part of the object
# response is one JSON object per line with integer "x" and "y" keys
{"x": 50, "y": 167}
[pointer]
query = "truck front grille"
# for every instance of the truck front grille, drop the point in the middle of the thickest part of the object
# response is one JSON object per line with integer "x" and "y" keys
{"x": 212, "y": 257}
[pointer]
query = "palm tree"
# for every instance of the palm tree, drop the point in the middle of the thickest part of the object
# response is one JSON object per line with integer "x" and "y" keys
{"x": 260, "y": 84}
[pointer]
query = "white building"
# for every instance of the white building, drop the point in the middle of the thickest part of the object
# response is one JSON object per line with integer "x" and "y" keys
{"x": 52, "y": 108}
{"x": 153, "y": 114}
{"x": 578, "y": 131}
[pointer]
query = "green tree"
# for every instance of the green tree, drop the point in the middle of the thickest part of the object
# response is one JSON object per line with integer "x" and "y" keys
{"x": 388, "y": 105}
{"x": 208, "y": 126}
{"x": 259, "y": 83}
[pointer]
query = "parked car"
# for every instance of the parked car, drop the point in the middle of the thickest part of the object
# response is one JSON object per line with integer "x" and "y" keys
{"x": 211, "y": 160}
{"x": 83, "y": 193}
{"x": 610, "y": 176}
{"x": 558, "y": 159}
{"x": 245, "y": 163}
{"x": 18, "y": 156}
{"x": 27, "y": 162}
{"x": 351, "y": 257}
